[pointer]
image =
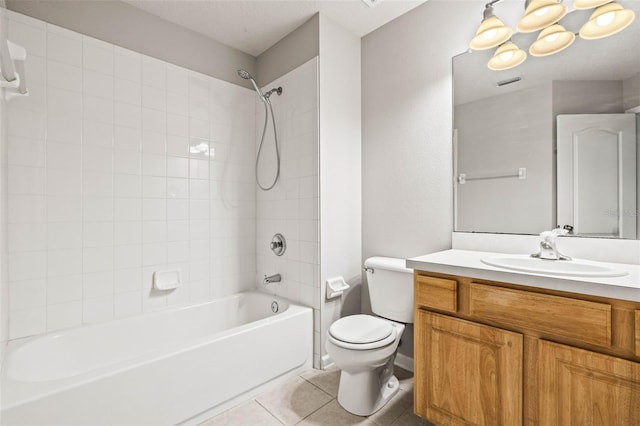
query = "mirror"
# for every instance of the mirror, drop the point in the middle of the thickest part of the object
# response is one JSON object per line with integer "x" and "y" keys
{"x": 553, "y": 141}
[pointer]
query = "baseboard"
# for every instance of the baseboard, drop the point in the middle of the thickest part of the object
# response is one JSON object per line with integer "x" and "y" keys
{"x": 405, "y": 362}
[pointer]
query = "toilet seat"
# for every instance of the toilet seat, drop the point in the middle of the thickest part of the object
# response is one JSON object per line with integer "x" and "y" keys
{"x": 361, "y": 332}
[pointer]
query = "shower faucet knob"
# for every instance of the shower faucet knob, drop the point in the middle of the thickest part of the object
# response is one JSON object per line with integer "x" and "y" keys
{"x": 278, "y": 244}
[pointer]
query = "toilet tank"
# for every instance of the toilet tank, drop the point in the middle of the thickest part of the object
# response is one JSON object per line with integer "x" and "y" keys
{"x": 390, "y": 288}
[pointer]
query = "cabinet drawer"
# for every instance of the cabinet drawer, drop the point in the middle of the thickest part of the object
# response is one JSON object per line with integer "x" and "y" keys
{"x": 436, "y": 293}
{"x": 585, "y": 321}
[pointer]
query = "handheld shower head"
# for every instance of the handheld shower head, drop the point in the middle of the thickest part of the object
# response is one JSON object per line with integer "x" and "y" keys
{"x": 245, "y": 74}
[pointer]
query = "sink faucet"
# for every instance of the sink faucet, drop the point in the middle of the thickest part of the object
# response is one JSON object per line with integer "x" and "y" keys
{"x": 548, "y": 249}
{"x": 271, "y": 279}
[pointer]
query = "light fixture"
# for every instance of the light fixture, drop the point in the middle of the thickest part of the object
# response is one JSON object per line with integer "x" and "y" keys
{"x": 552, "y": 40}
{"x": 607, "y": 20}
{"x": 507, "y": 56}
{"x": 588, "y": 4}
{"x": 491, "y": 32}
{"x": 540, "y": 14}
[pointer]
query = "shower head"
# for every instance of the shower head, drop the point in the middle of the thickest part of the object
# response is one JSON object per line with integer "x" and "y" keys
{"x": 245, "y": 74}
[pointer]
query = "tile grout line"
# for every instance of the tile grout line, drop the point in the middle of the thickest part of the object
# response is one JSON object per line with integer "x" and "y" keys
{"x": 267, "y": 410}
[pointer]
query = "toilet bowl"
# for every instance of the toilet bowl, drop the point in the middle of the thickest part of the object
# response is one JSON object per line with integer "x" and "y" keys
{"x": 367, "y": 382}
{"x": 364, "y": 347}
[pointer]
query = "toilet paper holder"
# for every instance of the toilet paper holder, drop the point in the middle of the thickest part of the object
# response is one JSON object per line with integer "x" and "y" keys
{"x": 335, "y": 287}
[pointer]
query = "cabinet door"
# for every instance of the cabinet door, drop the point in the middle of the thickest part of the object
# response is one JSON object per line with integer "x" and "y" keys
{"x": 579, "y": 387}
{"x": 466, "y": 373}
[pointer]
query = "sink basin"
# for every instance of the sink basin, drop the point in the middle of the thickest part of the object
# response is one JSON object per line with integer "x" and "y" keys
{"x": 573, "y": 268}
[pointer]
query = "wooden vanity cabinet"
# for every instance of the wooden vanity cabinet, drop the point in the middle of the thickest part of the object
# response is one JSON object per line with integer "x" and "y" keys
{"x": 489, "y": 353}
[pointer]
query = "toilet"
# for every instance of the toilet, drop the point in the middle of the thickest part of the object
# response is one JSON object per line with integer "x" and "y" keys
{"x": 364, "y": 347}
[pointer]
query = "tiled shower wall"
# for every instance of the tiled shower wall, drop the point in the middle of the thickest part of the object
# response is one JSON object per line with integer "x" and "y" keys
{"x": 121, "y": 165}
{"x": 292, "y": 206}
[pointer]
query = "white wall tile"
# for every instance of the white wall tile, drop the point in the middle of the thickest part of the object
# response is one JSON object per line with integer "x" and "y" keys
{"x": 98, "y": 109}
{"x": 64, "y": 262}
{"x": 154, "y": 209}
{"x": 128, "y": 280}
{"x": 154, "y": 98}
{"x": 127, "y": 139}
{"x": 27, "y": 237}
{"x": 97, "y": 84}
{"x": 154, "y": 73}
{"x": 97, "y": 184}
{"x": 64, "y": 289}
{"x": 27, "y": 209}
{"x": 97, "y": 234}
{"x": 104, "y": 189}
{"x": 26, "y": 152}
{"x": 128, "y": 115}
{"x": 96, "y": 310}
{"x": 26, "y": 180}
{"x": 64, "y": 49}
{"x": 64, "y": 235}
{"x": 127, "y": 209}
{"x": 127, "y": 257}
{"x": 127, "y": 304}
{"x": 127, "y": 162}
{"x": 128, "y": 232}
{"x": 97, "y": 134}
{"x": 64, "y": 76}
{"x": 62, "y": 156}
{"x": 64, "y": 315}
{"x": 97, "y": 284}
{"x": 128, "y": 92}
{"x": 64, "y": 208}
{"x": 127, "y": 64}
{"x": 27, "y": 294}
{"x": 27, "y": 322}
{"x": 97, "y": 209}
{"x": 97, "y": 259}
{"x": 97, "y": 159}
{"x": 97, "y": 56}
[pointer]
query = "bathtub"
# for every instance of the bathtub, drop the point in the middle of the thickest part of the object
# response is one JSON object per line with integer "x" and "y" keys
{"x": 172, "y": 367}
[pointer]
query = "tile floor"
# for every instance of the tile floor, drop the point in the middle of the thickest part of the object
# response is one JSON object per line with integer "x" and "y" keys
{"x": 310, "y": 399}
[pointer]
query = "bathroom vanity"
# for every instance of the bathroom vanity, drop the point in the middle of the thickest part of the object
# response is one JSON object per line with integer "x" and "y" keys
{"x": 502, "y": 347}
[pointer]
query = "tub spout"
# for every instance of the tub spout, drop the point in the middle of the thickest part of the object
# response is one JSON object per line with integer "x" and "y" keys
{"x": 271, "y": 279}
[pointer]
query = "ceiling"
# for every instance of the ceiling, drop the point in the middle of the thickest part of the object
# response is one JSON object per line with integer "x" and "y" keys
{"x": 253, "y": 26}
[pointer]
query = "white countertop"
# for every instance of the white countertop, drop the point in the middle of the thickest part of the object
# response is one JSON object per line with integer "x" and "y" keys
{"x": 468, "y": 264}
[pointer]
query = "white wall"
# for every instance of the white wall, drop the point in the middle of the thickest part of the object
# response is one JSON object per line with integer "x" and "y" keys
{"x": 291, "y": 207}
{"x": 407, "y": 201}
{"x": 109, "y": 181}
{"x": 340, "y": 168}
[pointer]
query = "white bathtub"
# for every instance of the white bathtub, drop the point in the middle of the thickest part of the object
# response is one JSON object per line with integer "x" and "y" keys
{"x": 177, "y": 366}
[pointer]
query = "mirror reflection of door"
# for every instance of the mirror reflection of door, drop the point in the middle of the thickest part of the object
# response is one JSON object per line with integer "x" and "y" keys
{"x": 597, "y": 174}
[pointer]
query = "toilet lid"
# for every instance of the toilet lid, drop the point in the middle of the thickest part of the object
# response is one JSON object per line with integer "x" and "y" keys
{"x": 360, "y": 329}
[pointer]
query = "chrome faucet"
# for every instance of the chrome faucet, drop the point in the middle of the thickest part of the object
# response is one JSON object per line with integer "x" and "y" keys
{"x": 271, "y": 279}
{"x": 548, "y": 249}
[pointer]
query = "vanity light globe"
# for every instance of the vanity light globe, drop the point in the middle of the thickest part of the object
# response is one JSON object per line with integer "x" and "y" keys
{"x": 491, "y": 33}
{"x": 552, "y": 40}
{"x": 588, "y": 4}
{"x": 540, "y": 14}
{"x": 607, "y": 20}
{"x": 506, "y": 57}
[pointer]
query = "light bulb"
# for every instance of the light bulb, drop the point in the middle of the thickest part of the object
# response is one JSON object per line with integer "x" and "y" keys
{"x": 489, "y": 34}
{"x": 605, "y": 19}
{"x": 552, "y": 37}
{"x": 541, "y": 11}
{"x": 505, "y": 56}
